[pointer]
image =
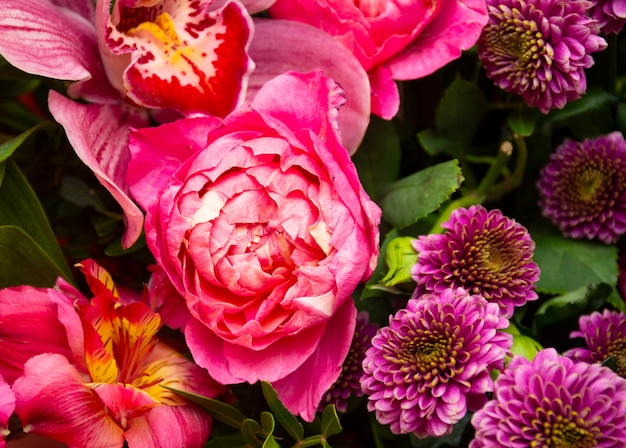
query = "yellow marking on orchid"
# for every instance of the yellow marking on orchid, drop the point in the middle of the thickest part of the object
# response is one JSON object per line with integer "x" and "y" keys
{"x": 164, "y": 32}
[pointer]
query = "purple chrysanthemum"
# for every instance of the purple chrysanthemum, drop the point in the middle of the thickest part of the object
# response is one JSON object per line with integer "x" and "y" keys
{"x": 432, "y": 363}
{"x": 610, "y": 14}
{"x": 348, "y": 384}
{"x": 481, "y": 251}
{"x": 553, "y": 401}
{"x": 582, "y": 190}
{"x": 605, "y": 336}
{"x": 539, "y": 49}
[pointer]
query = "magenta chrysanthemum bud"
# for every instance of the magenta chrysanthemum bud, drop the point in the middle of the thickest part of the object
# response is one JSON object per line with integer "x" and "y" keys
{"x": 432, "y": 363}
{"x": 539, "y": 49}
{"x": 482, "y": 251}
{"x": 605, "y": 336}
{"x": 553, "y": 401}
{"x": 348, "y": 384}
{"x": 610, "y": 14}
{"x": 583, "y": 188}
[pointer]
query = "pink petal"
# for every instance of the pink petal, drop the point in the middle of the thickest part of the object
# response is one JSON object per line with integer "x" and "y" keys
{"x": 35, "y": 35}
{"x": 230, "y": 364}
{"x": 254, "y": 6}
{"x": 7, "y": 405}
{"x": 302, "y": 391}
{"x": 184, "y": 56}
{"x": 283, "y": 45}
{"x": 312, "y": 104}
{"x": 385, "y": 94}
{"x": 29, "y": 325}
{"x": 52, "y": 401}
{"x": 148, "y": 171}
{"x": 178, "y": 426}
{"x": 99, "y": 135}
{"x": 83, "y": 7}
{"x": 456, "y": 27}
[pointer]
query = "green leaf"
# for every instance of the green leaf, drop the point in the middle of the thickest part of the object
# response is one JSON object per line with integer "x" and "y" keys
{"x": 380, "y": 270}
{"x": 414, "y": 197}
{"x": 229, "y": 441}
{"x": 378, "y": 158}
{"x": 252, "y": 433}
{"x": 20, "y": 207}
{"x": 268, "y": 425}
{"x": 286, "y": 419}
{"x": 330, "y": 422}
{"x": 570, "y": 306}
{"x": 223, "y": 412}
{"x": 7, "y": 148}
{"x": 312, "y": 441}
{"x": 522, "y": 120}
{"x": 461, "y": 110}
{"x": 621, "y": 117}
{"x": 567, "y": 264}
{"x": 23, "y": 261}
{"x": 434, "y": 142}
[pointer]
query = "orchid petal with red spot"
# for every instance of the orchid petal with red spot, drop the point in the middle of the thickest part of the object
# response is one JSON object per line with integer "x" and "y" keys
{"x": 185, "y": 55}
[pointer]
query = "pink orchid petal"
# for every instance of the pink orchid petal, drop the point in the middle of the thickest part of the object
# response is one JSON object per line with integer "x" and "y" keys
{"x": 283, "y": 45}
{"x": 83, "y": 7}
{"x": 456, "y": 27}
{"x": 7, "y": 405}
{"x": 52, "y": 401}
{"x": 254, "y": 6}
{"x": 184, "y": 56}
{"x": 29, "y": 325}
{"x": 35, "y": 35}
{"x": 302, "y": 391}
{"x": 99, "y": 135}
{"x": 146, "y": 170}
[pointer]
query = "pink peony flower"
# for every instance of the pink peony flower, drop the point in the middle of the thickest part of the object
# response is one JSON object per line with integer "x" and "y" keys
{"x": 432, "y": 363}
{"x": 7, "y": 405}
{"x": 261, "y": 223}
{"x": 90, "y": 373}
{"x": 393, "y": 40}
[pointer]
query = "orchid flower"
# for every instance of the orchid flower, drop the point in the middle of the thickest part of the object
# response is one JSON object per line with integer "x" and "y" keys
{"x": 103, "y": 384}
{"x": 187, "y": 57}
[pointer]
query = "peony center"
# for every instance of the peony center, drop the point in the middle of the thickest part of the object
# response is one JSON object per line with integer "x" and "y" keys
{"x": 371, "y": 8}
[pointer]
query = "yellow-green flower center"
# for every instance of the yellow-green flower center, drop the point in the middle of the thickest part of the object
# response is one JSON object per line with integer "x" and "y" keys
{"x": 588, "y": 184}
{"x": 618, "y": 350}
{"x": 562, "y": 432}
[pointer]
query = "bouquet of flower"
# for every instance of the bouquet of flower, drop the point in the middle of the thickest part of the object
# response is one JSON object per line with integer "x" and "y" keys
{"x": 298, "y": 223}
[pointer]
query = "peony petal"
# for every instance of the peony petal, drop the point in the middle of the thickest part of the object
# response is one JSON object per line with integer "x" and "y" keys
{"x": 456, "y": 27}
{"x": 183, "y": 55}
{"x": 283, "y": 45}
{"x": 312, "y": 103}
{"x": 99, "y": 135}
{"x": 157, "y": 153}
{"x": 35, "y": 35}
{"x": 385, "y": 94}
{"x": 302, "y": 390}
{"x": 52, "y": 401}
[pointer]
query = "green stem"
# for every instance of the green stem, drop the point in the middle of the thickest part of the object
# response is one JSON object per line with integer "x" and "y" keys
{"x": 514, "y": 181}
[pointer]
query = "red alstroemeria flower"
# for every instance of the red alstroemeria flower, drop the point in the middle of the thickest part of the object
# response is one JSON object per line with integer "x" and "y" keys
{"x": 103, "y": 385}
{"x": 7, "y": 405}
